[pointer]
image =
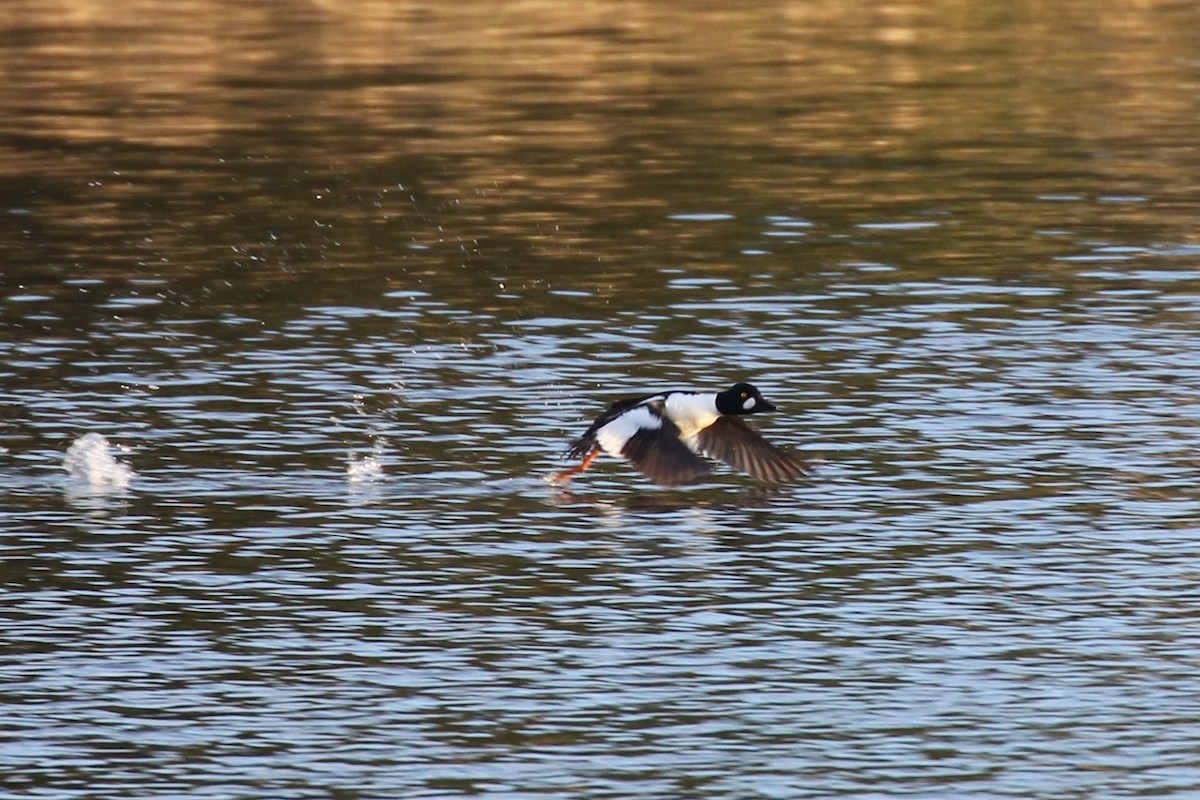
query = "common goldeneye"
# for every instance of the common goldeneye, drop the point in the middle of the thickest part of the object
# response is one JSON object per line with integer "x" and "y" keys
{"x": 670, "y": 436}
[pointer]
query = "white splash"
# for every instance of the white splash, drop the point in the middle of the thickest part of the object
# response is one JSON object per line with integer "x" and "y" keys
{"x": 364, "y": 467}
{"x": 90, "y": 461}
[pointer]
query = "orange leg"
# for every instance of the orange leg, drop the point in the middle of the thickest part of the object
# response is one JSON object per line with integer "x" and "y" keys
{"x": 567, "y": 474}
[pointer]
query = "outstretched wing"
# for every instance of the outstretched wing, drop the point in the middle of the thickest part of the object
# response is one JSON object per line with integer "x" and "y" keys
{"x": 659, "y": 454}
{"x": 734, "y": 442}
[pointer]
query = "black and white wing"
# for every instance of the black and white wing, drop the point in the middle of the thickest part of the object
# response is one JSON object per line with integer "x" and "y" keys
{"x": 660, "y": 455}
{"x": 584, "y": 444}
{"x": 734, "y": 442}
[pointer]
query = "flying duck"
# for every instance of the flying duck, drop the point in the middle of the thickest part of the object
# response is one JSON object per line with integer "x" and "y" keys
{"x": 670, "y": 436}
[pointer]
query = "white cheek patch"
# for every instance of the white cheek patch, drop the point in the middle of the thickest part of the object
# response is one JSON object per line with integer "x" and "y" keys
{"x": 749, "y": 404}
{"x": 613, "y": 436}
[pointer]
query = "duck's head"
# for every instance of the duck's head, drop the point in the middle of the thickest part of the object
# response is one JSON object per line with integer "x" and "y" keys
{"x": 742, "y": 398}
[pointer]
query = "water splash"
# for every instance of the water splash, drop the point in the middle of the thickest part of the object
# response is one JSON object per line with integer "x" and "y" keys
{"x": 364, "y": 468}
{"x": 90, "y": 461}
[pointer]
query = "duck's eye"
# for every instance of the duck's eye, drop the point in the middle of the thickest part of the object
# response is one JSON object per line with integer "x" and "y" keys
{"x": 745, "y": 395}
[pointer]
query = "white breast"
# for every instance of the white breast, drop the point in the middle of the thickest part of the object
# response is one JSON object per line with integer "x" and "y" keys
{"x": 613, "y": 436}
{"x": 692, "y": 413}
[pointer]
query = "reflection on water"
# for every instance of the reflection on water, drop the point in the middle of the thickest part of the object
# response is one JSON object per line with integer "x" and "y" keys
{"x": 339, "y": 283}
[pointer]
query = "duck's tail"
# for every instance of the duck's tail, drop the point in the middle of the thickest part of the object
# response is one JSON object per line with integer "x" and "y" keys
{"x": 583, "y": 446}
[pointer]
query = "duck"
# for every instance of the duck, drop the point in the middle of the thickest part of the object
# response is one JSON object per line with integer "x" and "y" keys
{"x": 674, "y": 437}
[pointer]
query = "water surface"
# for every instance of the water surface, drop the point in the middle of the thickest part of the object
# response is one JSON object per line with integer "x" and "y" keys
{"x": 315, "y": 296}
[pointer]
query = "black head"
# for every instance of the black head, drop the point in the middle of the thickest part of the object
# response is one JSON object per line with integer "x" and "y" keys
{"x": 742, "y": 398}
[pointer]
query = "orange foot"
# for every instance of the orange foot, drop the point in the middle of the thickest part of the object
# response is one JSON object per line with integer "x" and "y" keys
{"x": 567, "y": 474}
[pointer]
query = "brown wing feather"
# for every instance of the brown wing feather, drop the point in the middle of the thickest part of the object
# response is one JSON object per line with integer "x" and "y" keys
{"x": 659, "y": 454}
{"x": 734, "y": 442}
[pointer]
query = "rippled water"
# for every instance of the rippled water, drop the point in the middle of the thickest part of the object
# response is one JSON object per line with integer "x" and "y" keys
{"x": 298, "y": 312}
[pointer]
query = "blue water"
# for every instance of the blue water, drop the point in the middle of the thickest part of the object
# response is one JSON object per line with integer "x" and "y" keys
{"x": 289, "y": 345}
